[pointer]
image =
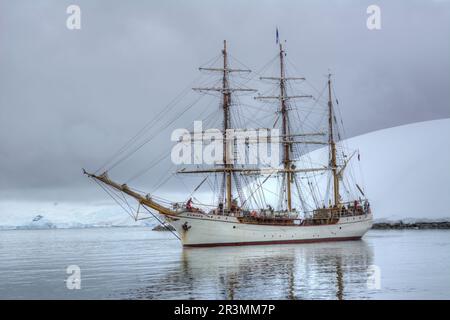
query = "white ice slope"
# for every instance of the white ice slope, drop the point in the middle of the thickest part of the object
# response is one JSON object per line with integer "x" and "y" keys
{"x": 406, "y": 170}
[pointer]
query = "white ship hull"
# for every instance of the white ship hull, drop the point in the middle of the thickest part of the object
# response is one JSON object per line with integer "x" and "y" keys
{"x": 199, "y": 230}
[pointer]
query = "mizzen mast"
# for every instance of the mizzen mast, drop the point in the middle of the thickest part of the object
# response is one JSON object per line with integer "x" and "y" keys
{"x": 332, "y": 144}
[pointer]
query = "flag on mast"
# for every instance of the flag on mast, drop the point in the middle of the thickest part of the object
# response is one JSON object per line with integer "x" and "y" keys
{"x": 278, "y": 39}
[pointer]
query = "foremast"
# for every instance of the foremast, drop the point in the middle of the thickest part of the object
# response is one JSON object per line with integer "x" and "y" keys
{"x": 225, "y": 90}
{"x": 226, "y": 94}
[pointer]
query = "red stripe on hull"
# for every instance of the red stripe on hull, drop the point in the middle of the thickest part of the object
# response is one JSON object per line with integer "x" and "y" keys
{"x": 255, "y": 243}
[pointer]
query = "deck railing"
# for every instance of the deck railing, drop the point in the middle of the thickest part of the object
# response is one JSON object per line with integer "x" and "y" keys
{"x": 346, "y": 209}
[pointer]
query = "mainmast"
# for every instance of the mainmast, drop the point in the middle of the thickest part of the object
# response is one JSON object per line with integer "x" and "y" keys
{"x": 285, "y": 131}
{"x": 332, "y": 144}
{"x": 286, "y": 135}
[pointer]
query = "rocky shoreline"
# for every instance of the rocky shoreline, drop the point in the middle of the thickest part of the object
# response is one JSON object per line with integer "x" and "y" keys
{"x": 400, "y": 225}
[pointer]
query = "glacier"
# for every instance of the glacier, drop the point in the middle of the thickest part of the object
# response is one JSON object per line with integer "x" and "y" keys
{"x": 25, "y": 215}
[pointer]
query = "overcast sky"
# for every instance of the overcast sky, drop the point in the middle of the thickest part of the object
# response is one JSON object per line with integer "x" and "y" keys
{"x": 71, "y": 98}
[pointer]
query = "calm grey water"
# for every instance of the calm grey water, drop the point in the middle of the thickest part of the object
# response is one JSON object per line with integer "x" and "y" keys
{"x": 136, "y": 263}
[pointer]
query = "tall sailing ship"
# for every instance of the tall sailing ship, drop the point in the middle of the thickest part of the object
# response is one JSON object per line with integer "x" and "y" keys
{"x": 241, "y": 214}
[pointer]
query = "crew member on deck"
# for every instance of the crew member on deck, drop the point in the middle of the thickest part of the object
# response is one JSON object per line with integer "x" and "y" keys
{"x": 189, "y": 204}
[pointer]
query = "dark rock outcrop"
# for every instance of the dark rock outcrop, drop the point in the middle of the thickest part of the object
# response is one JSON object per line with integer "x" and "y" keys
{"x": 166, "y": 227}
{"x": 415, "y": 225}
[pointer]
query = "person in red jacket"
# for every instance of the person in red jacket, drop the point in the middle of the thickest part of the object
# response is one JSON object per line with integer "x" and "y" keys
{"x": 189, "y": 204}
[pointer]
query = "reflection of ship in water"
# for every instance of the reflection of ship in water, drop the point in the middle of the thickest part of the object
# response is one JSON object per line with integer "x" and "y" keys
{"x": 313, "y": 271}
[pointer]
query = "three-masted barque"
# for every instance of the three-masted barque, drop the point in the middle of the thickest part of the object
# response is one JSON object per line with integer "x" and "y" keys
{"x": 231, "y": 220}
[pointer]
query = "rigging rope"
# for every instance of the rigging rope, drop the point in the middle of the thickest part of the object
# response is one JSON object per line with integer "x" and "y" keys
{"x": 154, "y": 136}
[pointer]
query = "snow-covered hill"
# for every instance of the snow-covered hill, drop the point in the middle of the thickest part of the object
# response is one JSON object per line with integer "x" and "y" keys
{"x": 406, "y": 173}
{"x": 405, "y": 170}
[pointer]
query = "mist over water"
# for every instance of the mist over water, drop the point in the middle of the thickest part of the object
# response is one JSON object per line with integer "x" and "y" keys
{"x": 136, "y": 263}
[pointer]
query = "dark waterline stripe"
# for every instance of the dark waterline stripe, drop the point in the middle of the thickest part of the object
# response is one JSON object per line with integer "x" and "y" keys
{"x": 253, "y": 243}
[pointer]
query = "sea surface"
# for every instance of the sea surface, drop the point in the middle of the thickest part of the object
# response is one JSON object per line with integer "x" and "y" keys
{"x": 137, "y": 263}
